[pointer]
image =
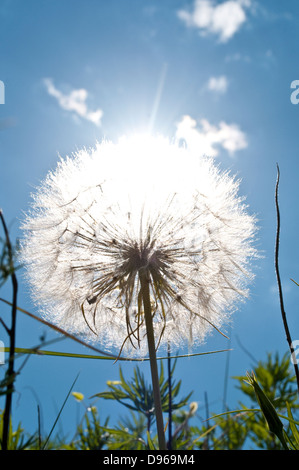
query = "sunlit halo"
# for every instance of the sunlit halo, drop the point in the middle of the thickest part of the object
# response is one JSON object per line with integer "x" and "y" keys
{"x": 144, "y": 171}
{"x": 153, "y": 161}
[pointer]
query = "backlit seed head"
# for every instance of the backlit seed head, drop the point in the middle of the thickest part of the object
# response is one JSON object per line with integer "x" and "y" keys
{"x": 141, "y": 205}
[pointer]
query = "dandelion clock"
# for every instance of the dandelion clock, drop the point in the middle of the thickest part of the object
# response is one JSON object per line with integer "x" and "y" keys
{"x": 138, "y": 244}
{"x": 141, "y": 206}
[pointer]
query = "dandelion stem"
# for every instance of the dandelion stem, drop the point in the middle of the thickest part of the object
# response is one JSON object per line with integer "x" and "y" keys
{"x": 145, "y": 292}
{"x": 170, "y": 399}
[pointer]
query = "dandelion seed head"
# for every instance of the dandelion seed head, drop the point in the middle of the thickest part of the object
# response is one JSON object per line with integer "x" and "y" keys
{"x": 144, "y": 205}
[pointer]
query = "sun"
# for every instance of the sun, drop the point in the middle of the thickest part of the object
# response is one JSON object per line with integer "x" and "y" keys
{"x": 149, "y": 169}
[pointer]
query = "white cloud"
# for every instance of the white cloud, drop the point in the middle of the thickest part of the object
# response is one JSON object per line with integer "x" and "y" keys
{"x": 74, "y": 102}
{"x": 218, "y": 84}
{"x": 206, "y": 138}
{"x": 223, "y": 19}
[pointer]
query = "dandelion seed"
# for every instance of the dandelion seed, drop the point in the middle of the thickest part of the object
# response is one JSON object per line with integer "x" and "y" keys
{"x": 143, "y": 210}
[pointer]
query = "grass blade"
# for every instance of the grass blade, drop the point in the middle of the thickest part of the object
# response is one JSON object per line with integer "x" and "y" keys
{"x": 60, "y": 411}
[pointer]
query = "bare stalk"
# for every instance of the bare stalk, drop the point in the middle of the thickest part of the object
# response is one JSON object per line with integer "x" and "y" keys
{"x": 152, "y": 354}
{"x": 10, "y": 373}
{"x": 283, "y": 314}
{"x": 170, "y": 399}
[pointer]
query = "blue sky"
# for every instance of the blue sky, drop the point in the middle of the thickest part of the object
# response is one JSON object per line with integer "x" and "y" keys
{"x": 216, "y": 74}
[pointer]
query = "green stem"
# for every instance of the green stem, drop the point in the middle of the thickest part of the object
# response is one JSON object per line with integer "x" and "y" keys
{"x": 145, "y": 292}
{"x": 10, "y": 373}
{"x": 170, "y": 399}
